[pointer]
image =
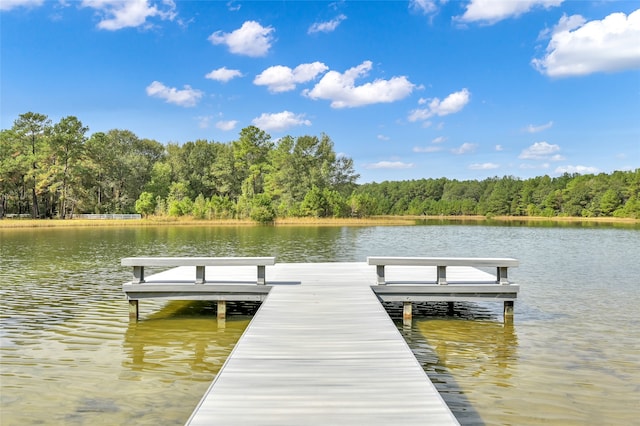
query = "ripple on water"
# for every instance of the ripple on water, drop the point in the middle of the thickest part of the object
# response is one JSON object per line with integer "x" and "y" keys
{"x": 553, "y": 374}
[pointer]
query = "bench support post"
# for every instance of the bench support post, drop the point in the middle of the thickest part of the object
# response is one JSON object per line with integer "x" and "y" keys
{"x": 501, "y": 275}
{"x": 200, "y": 278}
{"x": 442, "y": 275}
{"x": 261, "y": 275}
{"x": 138, "y": 274}
{"x": 380, "y": 274}
{"x": 133, "y": 310}
{"x": 222, "y": 309}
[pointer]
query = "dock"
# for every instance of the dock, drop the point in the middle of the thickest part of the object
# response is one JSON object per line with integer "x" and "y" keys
{"x": 321, "y": 349}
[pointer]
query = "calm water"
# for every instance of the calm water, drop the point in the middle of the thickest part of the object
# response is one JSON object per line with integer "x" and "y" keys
{"x": 70, "y": 356}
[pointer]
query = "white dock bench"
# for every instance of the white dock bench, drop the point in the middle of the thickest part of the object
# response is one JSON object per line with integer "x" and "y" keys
{"x": 139, "y": 264}
{"x": 443, "y": 290}
{"x": 441, "y": 263}
{"x": 198, "y": 289}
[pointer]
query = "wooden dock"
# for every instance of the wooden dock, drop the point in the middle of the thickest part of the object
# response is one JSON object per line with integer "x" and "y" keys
{"x": 321, "y": 349}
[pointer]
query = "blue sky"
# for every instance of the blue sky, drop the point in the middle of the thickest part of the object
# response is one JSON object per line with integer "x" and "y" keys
{"x": 408, "y": 89}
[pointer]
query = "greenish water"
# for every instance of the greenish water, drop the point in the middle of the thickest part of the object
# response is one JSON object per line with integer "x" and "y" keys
{"x": 70, "y": 356}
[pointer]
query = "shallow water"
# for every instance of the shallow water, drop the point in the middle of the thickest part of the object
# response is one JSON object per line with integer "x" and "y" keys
{"x": 70, "y": 356}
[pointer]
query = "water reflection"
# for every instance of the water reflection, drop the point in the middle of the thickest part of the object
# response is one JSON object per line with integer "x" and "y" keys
{"x": 513, "y": 222}
{"x": 470, "y": 356}
{"x": 184, "y": 338}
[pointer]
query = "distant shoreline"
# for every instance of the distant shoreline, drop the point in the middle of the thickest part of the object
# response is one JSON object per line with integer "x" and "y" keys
{"x": 305, "y": 221}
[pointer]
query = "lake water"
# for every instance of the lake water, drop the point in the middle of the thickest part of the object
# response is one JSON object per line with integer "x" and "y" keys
{"x": 70, "y": 356}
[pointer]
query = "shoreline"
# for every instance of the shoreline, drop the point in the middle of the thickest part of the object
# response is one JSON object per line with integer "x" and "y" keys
{"x": 374, "y": 220}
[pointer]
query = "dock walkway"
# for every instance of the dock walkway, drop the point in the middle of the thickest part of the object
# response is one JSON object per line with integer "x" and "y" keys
{"x": 323, "y": 352}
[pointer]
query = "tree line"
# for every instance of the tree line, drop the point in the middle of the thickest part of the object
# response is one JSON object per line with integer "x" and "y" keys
{"x": 602, "y": 195}
{"x": 57, "y": 170}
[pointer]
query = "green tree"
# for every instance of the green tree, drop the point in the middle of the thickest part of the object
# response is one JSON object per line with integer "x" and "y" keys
{"x": 225, "y": 178}
{"x": 32, "y": 129}
{"x": 314, "y": 203}
{"x": 362, "y": 205}
{"x": 145, "y": 204}
{"x": 12, "y": 172}
{"x": 199, "y": 209}
{"x": 262, "y": 209}
{"x": 161, "y": 178}
{"x": 221, "y": 207}
{"x": 609, "y": 202}
{"x": 66, "y": 157}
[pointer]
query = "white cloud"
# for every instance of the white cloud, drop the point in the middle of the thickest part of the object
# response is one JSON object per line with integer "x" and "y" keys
{"x": 439, "y": 139}
{"x": 203, "y": 121}
{"x": 450, "y": 105}
{"x": 223, "y": 74}
{"x": 541, "y": 151}
{"x": 279, "y": 78}
{"x": 186, "y": 97}
{"x": 390, "y": 165}
{"x": 499, "y": 148}
{"x": 578, "y": 47}
{"x": 577, "y": 169}
{"x": 12, "y": 4}
{"x": 534, "y": 166}
{"x": 423, "y": 6}
{"x": 326, "y": 27}
{"x": 465, "y": 148}
{"x": 535, "y": 129}
{"x": 226, "y": 125}
{"x": 252, "y": 39}
{"x": 118, "y": 14}
{"x": 341, "y": 90}
{"x": 280, "y": 121}
{"x": 427, "y": 149}
{"x": 492, "y": 11}
{"x": 483, "y": 166}
{"x": 232, "y": 6}
{"x": 383, "y": 137}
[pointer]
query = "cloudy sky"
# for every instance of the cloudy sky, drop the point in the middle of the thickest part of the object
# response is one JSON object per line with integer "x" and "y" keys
{"x": 408, "y": 89}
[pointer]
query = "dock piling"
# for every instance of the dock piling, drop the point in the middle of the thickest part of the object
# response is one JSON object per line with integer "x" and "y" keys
{"x": 508, "y": 310}
{"x": 407, "y": 314}
{"x": 133, "y": 310}
{"x": 222, "y": 309}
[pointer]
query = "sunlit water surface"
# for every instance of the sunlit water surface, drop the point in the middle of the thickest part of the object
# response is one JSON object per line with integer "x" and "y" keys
{"x": 70, "y": 356}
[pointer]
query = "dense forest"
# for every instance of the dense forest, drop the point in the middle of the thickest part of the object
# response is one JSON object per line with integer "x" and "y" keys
{"x": 55, "y": 170}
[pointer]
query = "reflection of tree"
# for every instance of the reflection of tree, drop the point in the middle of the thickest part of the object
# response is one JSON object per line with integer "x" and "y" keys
{"x": 462, "y": 357}
{"x": 181, "y": 345}
{"x": 467, "y": 360}
{"x": 480, "y": 348}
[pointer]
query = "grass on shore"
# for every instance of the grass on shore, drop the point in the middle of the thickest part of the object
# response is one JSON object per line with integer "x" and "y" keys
{"x": 295, "y": 221}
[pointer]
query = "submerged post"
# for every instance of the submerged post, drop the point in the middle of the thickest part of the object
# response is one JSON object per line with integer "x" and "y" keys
{"x": 508, "y": 311}
{"x": 133, "y": 310}
{"x": 222, "y": 309}
{"x": 450, "y": 309}
{"x": 407, "y": 313}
